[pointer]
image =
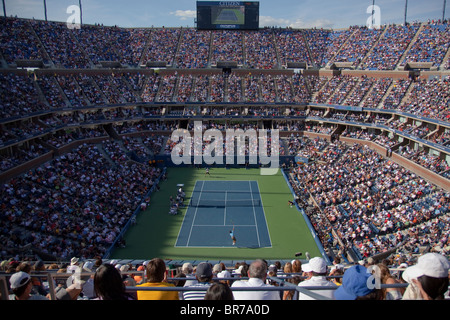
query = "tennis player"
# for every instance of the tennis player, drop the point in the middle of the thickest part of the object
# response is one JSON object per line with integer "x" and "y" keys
{"x": 232, "y": 236}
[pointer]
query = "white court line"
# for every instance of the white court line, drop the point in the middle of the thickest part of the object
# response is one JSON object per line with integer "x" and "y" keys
{"x": 225, "y": 225}
{"x": 225, "y": 209}
{"x": 195, "y": 215}
{"x": 254, "y": 214}
{"x": 182, "y": 223}
{"x": 264, "y": 214}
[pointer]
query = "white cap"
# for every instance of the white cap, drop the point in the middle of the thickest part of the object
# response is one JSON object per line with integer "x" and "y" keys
{"x": 431, "y": 264}
{"x": 18, "y": 279}
{"x": 316, "y": 264}
{"x": 74, "y": 261}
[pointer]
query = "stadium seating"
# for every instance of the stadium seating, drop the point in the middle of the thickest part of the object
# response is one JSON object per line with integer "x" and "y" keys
{"x": 71, "y": 126}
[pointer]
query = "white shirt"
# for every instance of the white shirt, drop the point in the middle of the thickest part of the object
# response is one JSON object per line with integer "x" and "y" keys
{"x": 317, "y": 281}
{"x": 254, "y": 295}
{"x": 72, "y": 268}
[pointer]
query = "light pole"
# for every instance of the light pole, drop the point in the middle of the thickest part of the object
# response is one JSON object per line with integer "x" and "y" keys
{"x": 443, "y": 10}
{"x": 373, "y": 12}
{"x": 81, "y": 13}
{"x": 406, "y": 9}
{"x": 45, "y": 9}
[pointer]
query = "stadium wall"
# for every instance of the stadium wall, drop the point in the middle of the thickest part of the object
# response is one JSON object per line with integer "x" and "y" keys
{"x": 308, "y": 223}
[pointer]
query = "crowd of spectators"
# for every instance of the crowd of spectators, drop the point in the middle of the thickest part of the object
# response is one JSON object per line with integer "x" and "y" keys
{"x": 358, "y": 45}
{"x": 24, "y": 95}
{"x": 78, "y": 195}
{"x": 431, "y": 45}
{"x": 227, "y": 45}
{"x": 371, "y": 202}
{"x": 429, "y": 98}
{"x": 408, "y": 278}
{"x": 260, "y": 50}
{"x": 292, "y": 47}
{"x": 391, "y": 46}
{"x": 423, "y": 97}
{"x": 381, "y": 49}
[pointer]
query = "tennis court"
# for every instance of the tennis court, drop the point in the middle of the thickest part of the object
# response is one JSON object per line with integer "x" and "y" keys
{"x": 218, "y": 207}
{"x": 159, "y": 234}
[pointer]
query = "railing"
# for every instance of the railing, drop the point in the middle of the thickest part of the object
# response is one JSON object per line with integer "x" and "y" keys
{"x": 282, "y": 285}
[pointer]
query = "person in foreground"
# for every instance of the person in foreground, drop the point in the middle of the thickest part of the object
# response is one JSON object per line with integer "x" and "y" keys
{"x": 109, "y": 285}
{"x": 21, "y": 285}
{"x": 257, "y": 273}
{"x": 316, "y": 271}
{"x": 428, "y": 279}
{"x": 357, "y": 284}
{"x": 157, "y": 277}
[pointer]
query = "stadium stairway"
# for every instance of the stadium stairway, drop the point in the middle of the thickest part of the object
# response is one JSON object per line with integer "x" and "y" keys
{"x": 446, "y": 60}
{"x": 413, "y": 41}
{"x": 373, "y": 46}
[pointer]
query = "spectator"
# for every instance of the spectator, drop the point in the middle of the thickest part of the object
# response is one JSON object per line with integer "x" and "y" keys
{"x": 337, "y": 273}
{"x": 180, "y": 282}
{"x": 139, "y": 278}
{"x": 108, "y": 284}
{"x": 217, "y": 268}
{"x": 387, "y": 278}
{"x": 204, "y": 276}
{"x": 219, "y": 291}
{"x": 296, "y": 266}
{"x": 157, "y": 277}
{"x": 73, "y": 265}
{"x": 428, "y": 279}
{"x": 316, "y": 270}
{"x": 188, "y": 270}
{"x": 71, "y": 292}
{"x": 355, "y": 285}
{"x": 292, "y": 294}
{"x": 21, "y": 286}
{"x": 88, "y": 287}
{"x": 37, "y": 279}
{"x": 257, "y": 273}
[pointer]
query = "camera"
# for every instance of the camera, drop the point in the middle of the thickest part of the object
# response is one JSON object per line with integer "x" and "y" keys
{"x": 298, "y": 254}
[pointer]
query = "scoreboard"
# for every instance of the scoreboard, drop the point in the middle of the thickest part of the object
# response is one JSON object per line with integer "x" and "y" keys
{"x": 223, "y": 15}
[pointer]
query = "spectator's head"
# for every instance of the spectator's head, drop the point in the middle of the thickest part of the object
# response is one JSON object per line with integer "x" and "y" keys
{"x": 156, "y": 270}
{"x": 20, "y": 283}
{"x": 356, "y": 285}
{"x": 203, "y": 272}
{"x": 74, "y": 261}
{"x": 108, "y": 283}
{"x": 316, "y": 266}
{"x": 24, "y": 266}
{"x": 296, "y": 266}
{"x": 217, "y": 268}
{"x": 187, "y": 268}
{"x": 258, "y": 269}
{"x": 431, "y": 271}
{"x": 219, "y": 291}
{"x": 39, "y": 266}
{"x": 181, "y": 279}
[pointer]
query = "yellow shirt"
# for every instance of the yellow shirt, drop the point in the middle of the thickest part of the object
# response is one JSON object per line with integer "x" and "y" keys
{"x": 157, "y": 295}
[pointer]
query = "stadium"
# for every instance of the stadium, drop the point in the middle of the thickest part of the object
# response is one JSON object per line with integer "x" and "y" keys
{"x": 362, "y": 125}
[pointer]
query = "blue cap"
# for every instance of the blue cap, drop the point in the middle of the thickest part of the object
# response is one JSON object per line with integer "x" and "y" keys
{"x": 354, "y": 284}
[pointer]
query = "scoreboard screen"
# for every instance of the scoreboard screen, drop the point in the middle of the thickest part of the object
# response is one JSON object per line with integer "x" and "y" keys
{"x": 220, "y": 15}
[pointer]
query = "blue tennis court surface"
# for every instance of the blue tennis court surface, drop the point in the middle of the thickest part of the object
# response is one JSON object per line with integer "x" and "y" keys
{"x": 216, "y": 207}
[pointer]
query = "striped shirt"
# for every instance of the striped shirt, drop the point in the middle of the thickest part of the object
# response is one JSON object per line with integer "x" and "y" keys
{"x": 196, "y": 295}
